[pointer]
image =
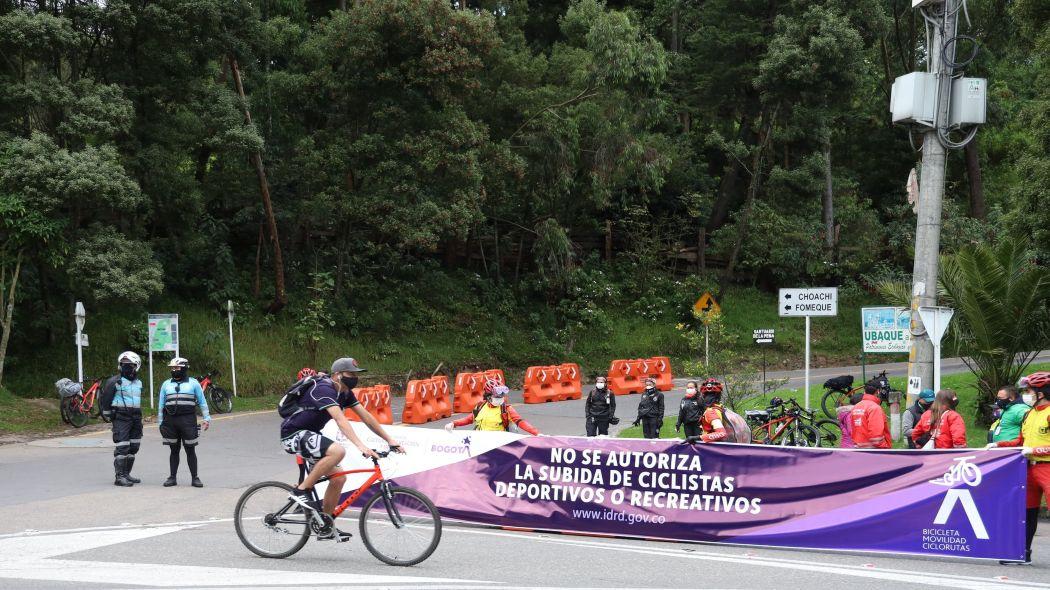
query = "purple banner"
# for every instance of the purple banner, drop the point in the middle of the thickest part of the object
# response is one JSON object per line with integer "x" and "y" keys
{"x": 964, "y": 503}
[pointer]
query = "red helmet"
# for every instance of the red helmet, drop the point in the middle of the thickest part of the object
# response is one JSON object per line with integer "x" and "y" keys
{"x": 495, "y": 386}
{"x": 1039, "y": 380}
{"x": 305, "y": 372}
{"x": 711, "y": 386}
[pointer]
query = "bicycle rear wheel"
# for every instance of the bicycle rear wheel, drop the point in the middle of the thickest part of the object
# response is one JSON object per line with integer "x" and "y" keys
{"x": 78, "y": 414}
{"x": 268, "y": 523}
{"x": 63, "y": 408}
{"x": 221, "y": 400}
{"x": 760, "y": 434}
{"x": 400, "y": 526}
{"x": 831, "y": 402}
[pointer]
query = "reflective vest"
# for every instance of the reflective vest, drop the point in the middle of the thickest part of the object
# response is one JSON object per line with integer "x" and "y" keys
{"x": 127, "y": 394}
{"x": 1036, "y": 431}
{"x": 180, "y": 397}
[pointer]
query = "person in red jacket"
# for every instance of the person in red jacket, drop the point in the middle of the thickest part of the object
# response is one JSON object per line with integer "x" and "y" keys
{"x": 1034, "y": 441}
{"x": 942, "y": 423}
{"x": 494, "y": 413}
{"x": 871, "y": 427}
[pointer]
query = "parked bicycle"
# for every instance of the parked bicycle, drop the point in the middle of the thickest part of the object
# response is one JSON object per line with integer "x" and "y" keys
{"x": 839, "y": 390}
{"x": 77, "y": 405}
{"x": 218, "y": 398}
{"x": 399, "y": 525}
{"x": 783, "y": 423}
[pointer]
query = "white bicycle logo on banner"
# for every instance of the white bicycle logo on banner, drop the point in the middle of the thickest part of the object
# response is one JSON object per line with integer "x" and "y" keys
{"x": 963, "y": 471}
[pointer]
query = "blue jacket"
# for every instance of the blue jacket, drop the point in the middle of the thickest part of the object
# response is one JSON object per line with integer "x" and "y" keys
{"x": 120, "y": 394}
{"x": 181, "y": 397}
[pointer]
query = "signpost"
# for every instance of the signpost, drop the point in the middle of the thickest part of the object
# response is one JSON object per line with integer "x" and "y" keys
{"x": 807, "y": 303}
{"x": 163, "y": 337}
{"x": 80, "y": 315}
{"x": 705, "y": 307}
{"x": 233, "y": 365}
{"x": 936, "y": 320}
{"x": 886, "y": 329}
{"x": 763, "y": 337}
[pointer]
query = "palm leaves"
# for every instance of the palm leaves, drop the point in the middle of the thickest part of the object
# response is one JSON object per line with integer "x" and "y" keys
{"x": 1000, "y": 298}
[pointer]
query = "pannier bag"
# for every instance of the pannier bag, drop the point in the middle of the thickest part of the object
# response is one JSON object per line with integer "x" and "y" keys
{"x": 840, "y": 383}
{"x": 68, "y": 387}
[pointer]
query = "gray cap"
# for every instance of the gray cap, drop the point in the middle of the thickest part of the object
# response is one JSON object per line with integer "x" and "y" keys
{"x": 346, "y": 365}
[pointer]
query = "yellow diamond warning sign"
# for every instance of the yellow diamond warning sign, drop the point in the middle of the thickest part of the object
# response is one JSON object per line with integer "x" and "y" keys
{"x": 707, "y": 305}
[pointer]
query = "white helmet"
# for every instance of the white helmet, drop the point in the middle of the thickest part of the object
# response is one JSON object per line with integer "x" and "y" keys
{"x": 129, "y": 357}
{"x": 178, "y": 362}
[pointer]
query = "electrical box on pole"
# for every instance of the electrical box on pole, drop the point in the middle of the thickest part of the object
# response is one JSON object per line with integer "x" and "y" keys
{"x": 913, "y": 99}
{"x": 969, "y": 102}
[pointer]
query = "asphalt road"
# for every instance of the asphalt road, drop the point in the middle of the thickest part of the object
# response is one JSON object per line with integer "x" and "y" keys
{"x": 63, "y": 525}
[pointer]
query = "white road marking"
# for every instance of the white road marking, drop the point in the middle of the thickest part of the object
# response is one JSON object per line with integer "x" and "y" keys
{"x": 32, "y": 557}
{"x": 897, "y": 575}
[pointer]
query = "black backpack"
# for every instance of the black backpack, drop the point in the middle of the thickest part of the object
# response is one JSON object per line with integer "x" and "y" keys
{"x": 289, "y": 404}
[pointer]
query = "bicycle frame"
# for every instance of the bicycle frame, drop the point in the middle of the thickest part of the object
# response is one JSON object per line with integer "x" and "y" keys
{"x": 377, "y": 475}
{"x": 785, "y": 423}
{"x": 87, "y": 399}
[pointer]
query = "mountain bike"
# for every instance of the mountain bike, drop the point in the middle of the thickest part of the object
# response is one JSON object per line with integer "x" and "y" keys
{"x": 399, "y": 525}
{"x": 76, "y": 409}
{"x": 783, "y": 423}
{"x": 837, "y": 393}
{"x": 218, "y": 398}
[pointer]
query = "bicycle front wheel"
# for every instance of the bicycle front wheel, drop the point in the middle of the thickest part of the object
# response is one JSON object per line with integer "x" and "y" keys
{"x": 268, "y": 523}
{"x": 804, "y": 435}
{"x": 221, "y": 400}
{"x": 78, "y": 414}
{"x": 400, "y": 526}
{"x": 829, "y": 433}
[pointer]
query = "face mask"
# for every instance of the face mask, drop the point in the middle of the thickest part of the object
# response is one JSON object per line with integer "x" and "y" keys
{"x": 348, "y": 382}
{"x": 1028, "y": 399}
{"x": 599, "y": 385}
{"x": 1002, "y": 403}
{"x": 710, "y": 399}
{"x": 497, "y": 401}
{"x": 178, "y": 374}
{"x": 690, "y": 392}
{"x": 650, "y": 388}
{"x": 128, "y": 372}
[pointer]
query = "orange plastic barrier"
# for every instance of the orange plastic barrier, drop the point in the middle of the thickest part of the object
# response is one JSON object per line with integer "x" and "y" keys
{"x": 426, "y": 400}
{"x": 628, "y": 376}
{"x": 376, "y": 400}
{"x": 553, "y": 383}
{"x": 470, "y": 389}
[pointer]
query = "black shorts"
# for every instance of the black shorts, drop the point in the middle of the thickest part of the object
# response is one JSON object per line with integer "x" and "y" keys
{"x": 311, "y": 445}
{"x": 180, "y": 427}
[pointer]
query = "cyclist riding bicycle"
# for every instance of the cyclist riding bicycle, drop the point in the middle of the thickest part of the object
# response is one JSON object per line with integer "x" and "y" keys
{"x": 301, "y": 434}
{"x": 494, "y": 413}
{"x": 122, "y": 400}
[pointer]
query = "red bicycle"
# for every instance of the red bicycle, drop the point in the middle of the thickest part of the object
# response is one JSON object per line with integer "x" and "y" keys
{"x": 399, "y": 525}
{"x": 218, "y": 398}
{"x": 76, "y": 409}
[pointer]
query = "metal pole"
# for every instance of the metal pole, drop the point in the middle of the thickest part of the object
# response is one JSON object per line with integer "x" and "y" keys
{"x": 937, "y": 354}
{"x": 931, "y": 193}
{"x": 80, "y": 357}
{"x": 233, "y": 365}
{"x": 707, "y": 346}
{"x": 807, "y": 362}
{"x": 151, "y": 392}
{"x": 763, "y": 371}
{"x": 863, "y": 367}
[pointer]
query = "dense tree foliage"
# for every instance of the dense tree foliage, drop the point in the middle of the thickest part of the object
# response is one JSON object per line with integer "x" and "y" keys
{"x": 222, "y": 149}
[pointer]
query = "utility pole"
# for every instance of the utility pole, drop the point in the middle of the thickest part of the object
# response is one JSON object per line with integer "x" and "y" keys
{"x": 931, "y": 188}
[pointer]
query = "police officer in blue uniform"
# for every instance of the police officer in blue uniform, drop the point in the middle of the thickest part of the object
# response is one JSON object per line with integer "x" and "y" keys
{"x": 177, "y": 418}
{"x": 121, "y": 403}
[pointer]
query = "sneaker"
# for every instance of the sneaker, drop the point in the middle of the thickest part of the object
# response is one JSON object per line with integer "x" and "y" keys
{"x": 197, "y": 483}
{"x": 305, "y": 499}
{"x": 170, "y": 482}
{"x": 335, "y": 535}
{"x": 1026, "y": 561}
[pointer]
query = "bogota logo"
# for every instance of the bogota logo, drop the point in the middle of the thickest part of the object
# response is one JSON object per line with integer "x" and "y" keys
{"x": 969, "y": 474}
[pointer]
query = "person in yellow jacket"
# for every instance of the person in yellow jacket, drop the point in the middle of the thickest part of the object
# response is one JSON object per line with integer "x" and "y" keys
{"x": 1034, "y": 441}
{"x": 494, "y": 413}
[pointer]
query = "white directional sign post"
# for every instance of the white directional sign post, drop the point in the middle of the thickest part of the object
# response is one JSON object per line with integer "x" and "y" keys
{"x": 936, "y": 320}
{"x": 233, "y": 365}
{"x": 80, "y": 316}
{"x": 807, "y": 303}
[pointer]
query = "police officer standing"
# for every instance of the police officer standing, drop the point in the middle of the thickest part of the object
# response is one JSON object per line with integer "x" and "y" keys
{"x": 600, "y": 408}
{"x": 121, "y": 402}
{"x": 177, "y": 418}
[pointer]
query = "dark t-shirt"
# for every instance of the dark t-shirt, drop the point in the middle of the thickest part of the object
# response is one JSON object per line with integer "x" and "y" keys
{"x": 314, "y": 405}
